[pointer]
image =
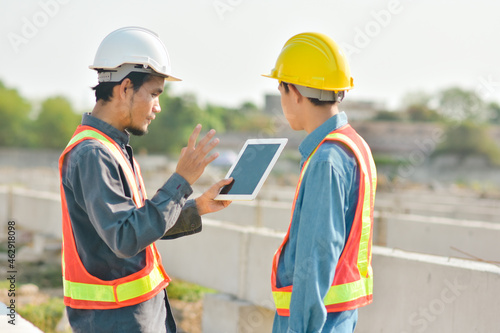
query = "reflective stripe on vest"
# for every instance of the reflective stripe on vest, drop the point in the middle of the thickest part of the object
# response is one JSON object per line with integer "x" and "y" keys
{"x": 81, "y": 289}
{"x": 349, "y": 290}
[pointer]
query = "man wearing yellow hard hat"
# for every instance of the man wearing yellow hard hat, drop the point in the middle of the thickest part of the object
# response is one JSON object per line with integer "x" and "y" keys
{"x": 321, "y": 273}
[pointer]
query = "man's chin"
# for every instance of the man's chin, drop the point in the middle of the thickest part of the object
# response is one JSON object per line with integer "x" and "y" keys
{"x": 137, "y": 131}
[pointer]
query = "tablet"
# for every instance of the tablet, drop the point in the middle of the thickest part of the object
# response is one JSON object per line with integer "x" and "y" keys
{"x": 249, "y": 172}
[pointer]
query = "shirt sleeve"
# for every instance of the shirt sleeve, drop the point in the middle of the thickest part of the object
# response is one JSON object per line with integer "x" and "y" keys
{"x": 321, "y": 238}
{"x": 188, "y": 223}
{"x": 100, "y": 189}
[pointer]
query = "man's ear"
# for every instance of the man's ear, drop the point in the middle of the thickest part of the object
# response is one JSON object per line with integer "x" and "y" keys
{"x": 297, "y": 96}
{"x": 124, "y": 88}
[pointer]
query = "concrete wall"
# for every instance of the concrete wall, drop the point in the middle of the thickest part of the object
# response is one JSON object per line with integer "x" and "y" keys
{"x": 267, "y": 214}
{"x": 413, "y": 292}
{"x": 423, "y": 293}
{"x": 442, "y": 236}
{"x": 36, "y": 211}
{"x": 232, "y": 259}
{"x": 460, "y": 205}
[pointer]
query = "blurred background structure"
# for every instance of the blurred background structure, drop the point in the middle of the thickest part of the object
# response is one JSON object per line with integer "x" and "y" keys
{"x": 426, "y": 99}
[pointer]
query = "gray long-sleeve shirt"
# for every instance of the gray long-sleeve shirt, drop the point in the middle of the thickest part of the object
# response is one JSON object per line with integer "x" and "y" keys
{"x": 111, "y": 233}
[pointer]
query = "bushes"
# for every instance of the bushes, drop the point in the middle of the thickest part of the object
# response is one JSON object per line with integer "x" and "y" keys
{"x": 45, "y": 316}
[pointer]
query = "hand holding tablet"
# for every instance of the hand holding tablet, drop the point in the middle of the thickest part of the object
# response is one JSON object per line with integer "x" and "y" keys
{"x": 249, "y": 172}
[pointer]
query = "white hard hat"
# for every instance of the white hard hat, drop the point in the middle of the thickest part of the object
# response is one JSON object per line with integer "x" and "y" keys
{"x": 131, "y": 49}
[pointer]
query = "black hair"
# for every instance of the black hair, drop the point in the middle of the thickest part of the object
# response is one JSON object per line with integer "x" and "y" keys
{"x": 315, "y": 101}
{"x": 104, "y": 90}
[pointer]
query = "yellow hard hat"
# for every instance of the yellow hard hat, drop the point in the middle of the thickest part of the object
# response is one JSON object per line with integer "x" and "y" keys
{"x": 313, "y": 60}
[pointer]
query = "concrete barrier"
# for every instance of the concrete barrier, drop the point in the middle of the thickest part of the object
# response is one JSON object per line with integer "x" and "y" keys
{"x": 413, "y": 292}
{"x": 463, "y": 206}
{"x": 37, "y": 211}
{"x": 443, "y": 236}
{"x": 4, "y": 208}
{"x": 423, "y": 293}
{"x": 267, "y": 214}
{"x": 239, "y": 316}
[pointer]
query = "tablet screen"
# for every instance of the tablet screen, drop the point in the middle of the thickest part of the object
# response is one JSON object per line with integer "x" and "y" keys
{"x": 246, "y": 179}
{"x": 249, "y": 172}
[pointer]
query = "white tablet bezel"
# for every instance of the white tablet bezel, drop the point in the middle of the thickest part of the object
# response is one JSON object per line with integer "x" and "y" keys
{"x": 242, "y": 197}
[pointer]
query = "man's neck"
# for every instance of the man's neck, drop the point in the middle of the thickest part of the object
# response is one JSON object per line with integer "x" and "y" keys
{"x": 317, "y": 115}
{"x": 105, "y": 111}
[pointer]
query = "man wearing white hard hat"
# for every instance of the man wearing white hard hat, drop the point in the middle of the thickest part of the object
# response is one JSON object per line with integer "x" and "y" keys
{"x": 113, "y": 276}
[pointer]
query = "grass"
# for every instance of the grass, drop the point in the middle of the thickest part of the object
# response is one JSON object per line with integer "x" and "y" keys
{"x": 187, "y": 292}
{"x": 45, "y": 316}
{"x": 44, "y": 275}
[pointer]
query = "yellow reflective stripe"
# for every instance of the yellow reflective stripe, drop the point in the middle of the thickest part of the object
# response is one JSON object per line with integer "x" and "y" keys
{"x": 141, "y": 181}
{"x": 140, "y": 286}
{"x": 129, "y": 174}
{"x": 335, "y": 295}
{"x": 373, "y": 168}
{"x": 88, "y": 292}
{"x": 363, "y": 262}
{"x": 349, "y": 291}
{"x": 282, "y": 299}
{"x": 105, "y": 293}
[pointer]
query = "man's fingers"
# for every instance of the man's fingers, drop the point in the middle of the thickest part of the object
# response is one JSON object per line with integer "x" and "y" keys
{"x": 210, "y": 158}
{"x": 207, "y": 148}
{"x": 222, "y": 183}
{"x": 194, "y": 137}
{"x": 206, "y": 138}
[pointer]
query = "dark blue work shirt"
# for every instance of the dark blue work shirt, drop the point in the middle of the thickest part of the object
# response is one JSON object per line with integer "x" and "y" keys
{"x": 111, "y": 233}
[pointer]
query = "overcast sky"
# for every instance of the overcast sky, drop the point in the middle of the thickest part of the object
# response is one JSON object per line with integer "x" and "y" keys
{"x": 220, "y": 47}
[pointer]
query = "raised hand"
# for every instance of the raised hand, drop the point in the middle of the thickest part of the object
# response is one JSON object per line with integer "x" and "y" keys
{"x": 194, "y": 159}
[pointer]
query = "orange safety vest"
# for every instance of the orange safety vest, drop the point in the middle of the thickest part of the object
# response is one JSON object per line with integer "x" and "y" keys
{"x": 85, "y": 291}
{"x": 352, "y": 286}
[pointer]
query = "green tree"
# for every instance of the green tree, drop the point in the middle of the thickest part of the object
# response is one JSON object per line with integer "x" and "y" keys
{"x": 469, "y": 139}
{"x": 14, "y": 118}
{"x": 214, "y": 117}
{"x": 421, "y": 112}
{"x": 55, "y": 123}
{"x": 170, "y": 131}
{"x": 462, "y": 105}
{"x": 494, "y": 112}
{"x": 388, "y": 116}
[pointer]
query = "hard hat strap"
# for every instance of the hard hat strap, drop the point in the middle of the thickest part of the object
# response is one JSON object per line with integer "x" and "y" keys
{"x": 322, "y": 95}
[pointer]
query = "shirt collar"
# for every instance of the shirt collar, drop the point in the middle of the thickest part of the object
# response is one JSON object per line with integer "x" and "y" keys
{"x": 314, "y": 138}
{"x": 114, "y": 133}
